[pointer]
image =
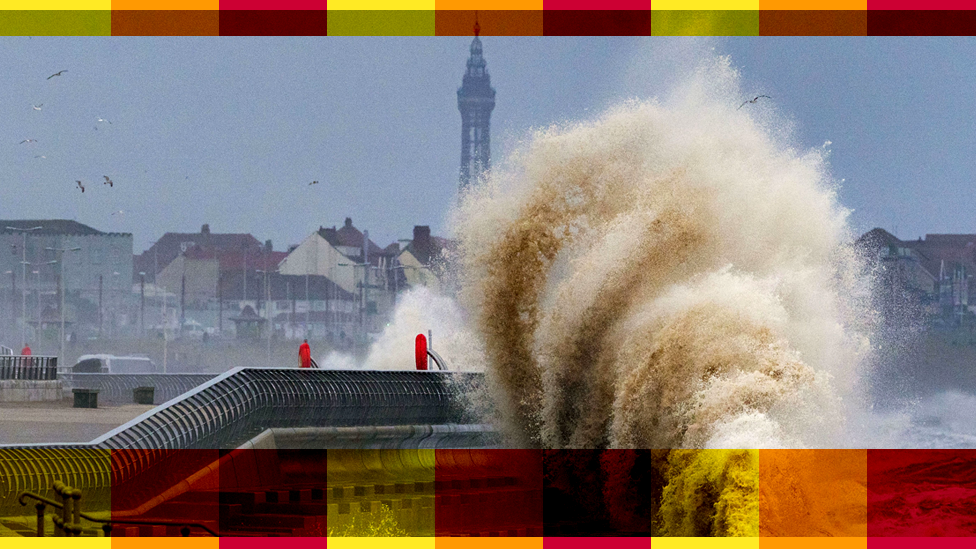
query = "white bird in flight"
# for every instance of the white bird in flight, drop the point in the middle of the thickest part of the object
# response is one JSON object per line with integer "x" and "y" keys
{"x": 37, "y": 107}
{"x": 104, "y": 120}
{"x": 119, "y": 212}
{"x": 753, "y": 100}
{"x": 28, "y": 140}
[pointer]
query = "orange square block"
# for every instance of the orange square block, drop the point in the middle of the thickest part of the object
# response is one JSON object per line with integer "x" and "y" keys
{"x": 813, "y": 4}
{"x": 811, "y": 493}
{"x": 165, "y": 4}
{"x": 493, "y": 23}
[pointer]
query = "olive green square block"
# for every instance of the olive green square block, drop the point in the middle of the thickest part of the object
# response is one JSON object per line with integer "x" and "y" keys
{"x": 381, "y": 23}
{"x": 55, "y": 23}
{"x": 703, "y": 22}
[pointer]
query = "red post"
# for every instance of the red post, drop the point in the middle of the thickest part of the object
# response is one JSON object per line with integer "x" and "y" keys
{"x": 421, "y": 348}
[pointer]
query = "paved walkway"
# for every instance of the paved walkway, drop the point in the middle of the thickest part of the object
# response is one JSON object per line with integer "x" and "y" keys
{"x": 25, "y": 423}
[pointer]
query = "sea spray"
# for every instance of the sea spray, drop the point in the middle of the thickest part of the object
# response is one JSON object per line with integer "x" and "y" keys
{"x": 661, "y": 276}
{"x": 418, "y": 311}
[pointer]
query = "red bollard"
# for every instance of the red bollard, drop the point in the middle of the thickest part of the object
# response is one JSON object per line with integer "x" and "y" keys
{"x": 421, "y": 348}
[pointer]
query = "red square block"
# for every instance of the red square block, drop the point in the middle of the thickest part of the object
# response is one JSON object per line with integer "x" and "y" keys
{"x": 921, "y": 493}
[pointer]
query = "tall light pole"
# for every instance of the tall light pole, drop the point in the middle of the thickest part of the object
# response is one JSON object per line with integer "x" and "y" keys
{"x": 23, "y": 308}
{"x": 26, "y": 264}
{"x": 363, "y": 296}
{"x": 142, "y": 304}
{"x": 64, "y": 287}
{"x": 13, "y": 293}
{"x": 267, "y": 309}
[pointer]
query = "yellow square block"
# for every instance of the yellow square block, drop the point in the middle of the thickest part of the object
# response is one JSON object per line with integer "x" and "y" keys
{"x": 165, "y": 543}
{"x": 189, "y": 5}
{"x": 717, "y": 5}
{"x": 489, "y": 543}
{"x": 63, "y": 5}
{"x": 467, "y": 5}
{"x": 380, "y": 543}
{"x": 391, "y": 5}
{"x": 705, "y": 543}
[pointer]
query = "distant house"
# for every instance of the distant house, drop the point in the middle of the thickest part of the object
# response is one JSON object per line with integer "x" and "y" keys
{"x": 172, "y": 245}
{"x": 300, "y": 306}
{"x": 938, "y": 271}
{"x": 354, "y": 262}
{"x": 424, "y": 260}
{"x": 97, "y": 273}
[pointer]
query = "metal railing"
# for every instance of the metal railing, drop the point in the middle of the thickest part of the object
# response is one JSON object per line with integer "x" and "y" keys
{"x": 6, "y": 351}
{"x": 148, "y": 454}
{"x": 28, "y": 367}
{"x": 118, "y": 387}
{"x": 69, "y": 524}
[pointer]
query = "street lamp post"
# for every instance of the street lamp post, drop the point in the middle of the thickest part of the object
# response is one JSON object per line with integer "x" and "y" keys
{"x": 267, "y": 309}
{"x": 23, "y": 308}
{"x": 13, "y": 293}
{"x": 64, "y": 287}
{"x": 142, "y": 304}
{"x": 363, "y": 295}
{"x": 37, "y": 332}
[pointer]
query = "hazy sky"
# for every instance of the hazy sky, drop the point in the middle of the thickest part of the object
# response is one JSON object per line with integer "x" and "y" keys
{"x": 230, "y": 131}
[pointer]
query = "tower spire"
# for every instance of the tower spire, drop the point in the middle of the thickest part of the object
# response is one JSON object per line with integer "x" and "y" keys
{"x": 476, "y": 100}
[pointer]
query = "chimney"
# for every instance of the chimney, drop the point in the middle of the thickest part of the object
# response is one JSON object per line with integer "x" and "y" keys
{"x": 267, "y": 245}
{"x": 205, "y": 229}
{"x": 348, "y": 222}
{"x": 421, "y": 235}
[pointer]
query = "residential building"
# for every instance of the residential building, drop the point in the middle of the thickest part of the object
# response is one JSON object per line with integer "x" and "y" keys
{"x": 96, "y": 276}
{"x": 423, "y": 260}
{"x": 300, "y": 306}
{"x": 355, "y": 263}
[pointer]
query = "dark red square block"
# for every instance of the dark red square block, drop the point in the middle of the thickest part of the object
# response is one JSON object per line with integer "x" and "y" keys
{"x": 273, "y": 22}
{"x": 601, "y": 492}
{"x": 596, "y": 23}
{"x": 488, "y": 493}
{"x": 170, "y": 487}
{"x": 921, "y": 22}
{"x": 921, "y": 493}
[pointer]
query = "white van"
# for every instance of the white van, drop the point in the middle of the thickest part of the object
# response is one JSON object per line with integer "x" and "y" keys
{"x": 109, "y": 364}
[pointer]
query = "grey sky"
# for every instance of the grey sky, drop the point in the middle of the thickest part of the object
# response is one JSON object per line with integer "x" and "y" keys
{"x": 230, "y": 131}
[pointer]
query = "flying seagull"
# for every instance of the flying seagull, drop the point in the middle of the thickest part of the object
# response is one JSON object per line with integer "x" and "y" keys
{"x": 107, "y": 181}
{"x": 39, "y": 156}
{"x": 38, "y": 107}
{"x": 80, "y": 186}
{"x": 103, "y": 120}
{"x": 57, "y": 74}
{"x": 28, "y": 140}
{"x": 313, "y": 183}
{"x": 120, "y": 212}
{"x": 753, "y": 100}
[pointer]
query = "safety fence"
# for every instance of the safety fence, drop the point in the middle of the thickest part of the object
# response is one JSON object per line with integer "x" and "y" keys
{"x": 28, "y": 367}
{"x": 117, "y": 388}
{"x": 150, "y": 453}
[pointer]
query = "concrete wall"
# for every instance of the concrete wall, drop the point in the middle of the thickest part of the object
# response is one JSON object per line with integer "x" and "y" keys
{"x": 22, "y": 390}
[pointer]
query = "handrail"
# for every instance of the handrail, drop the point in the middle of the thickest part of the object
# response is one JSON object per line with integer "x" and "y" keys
{"x": 29, "y": 367}
{"x": 146, "y": 455}
{"x": 107, "y": 528}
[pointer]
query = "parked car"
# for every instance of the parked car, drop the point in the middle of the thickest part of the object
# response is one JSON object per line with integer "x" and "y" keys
{"x": 110, "y": 364}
